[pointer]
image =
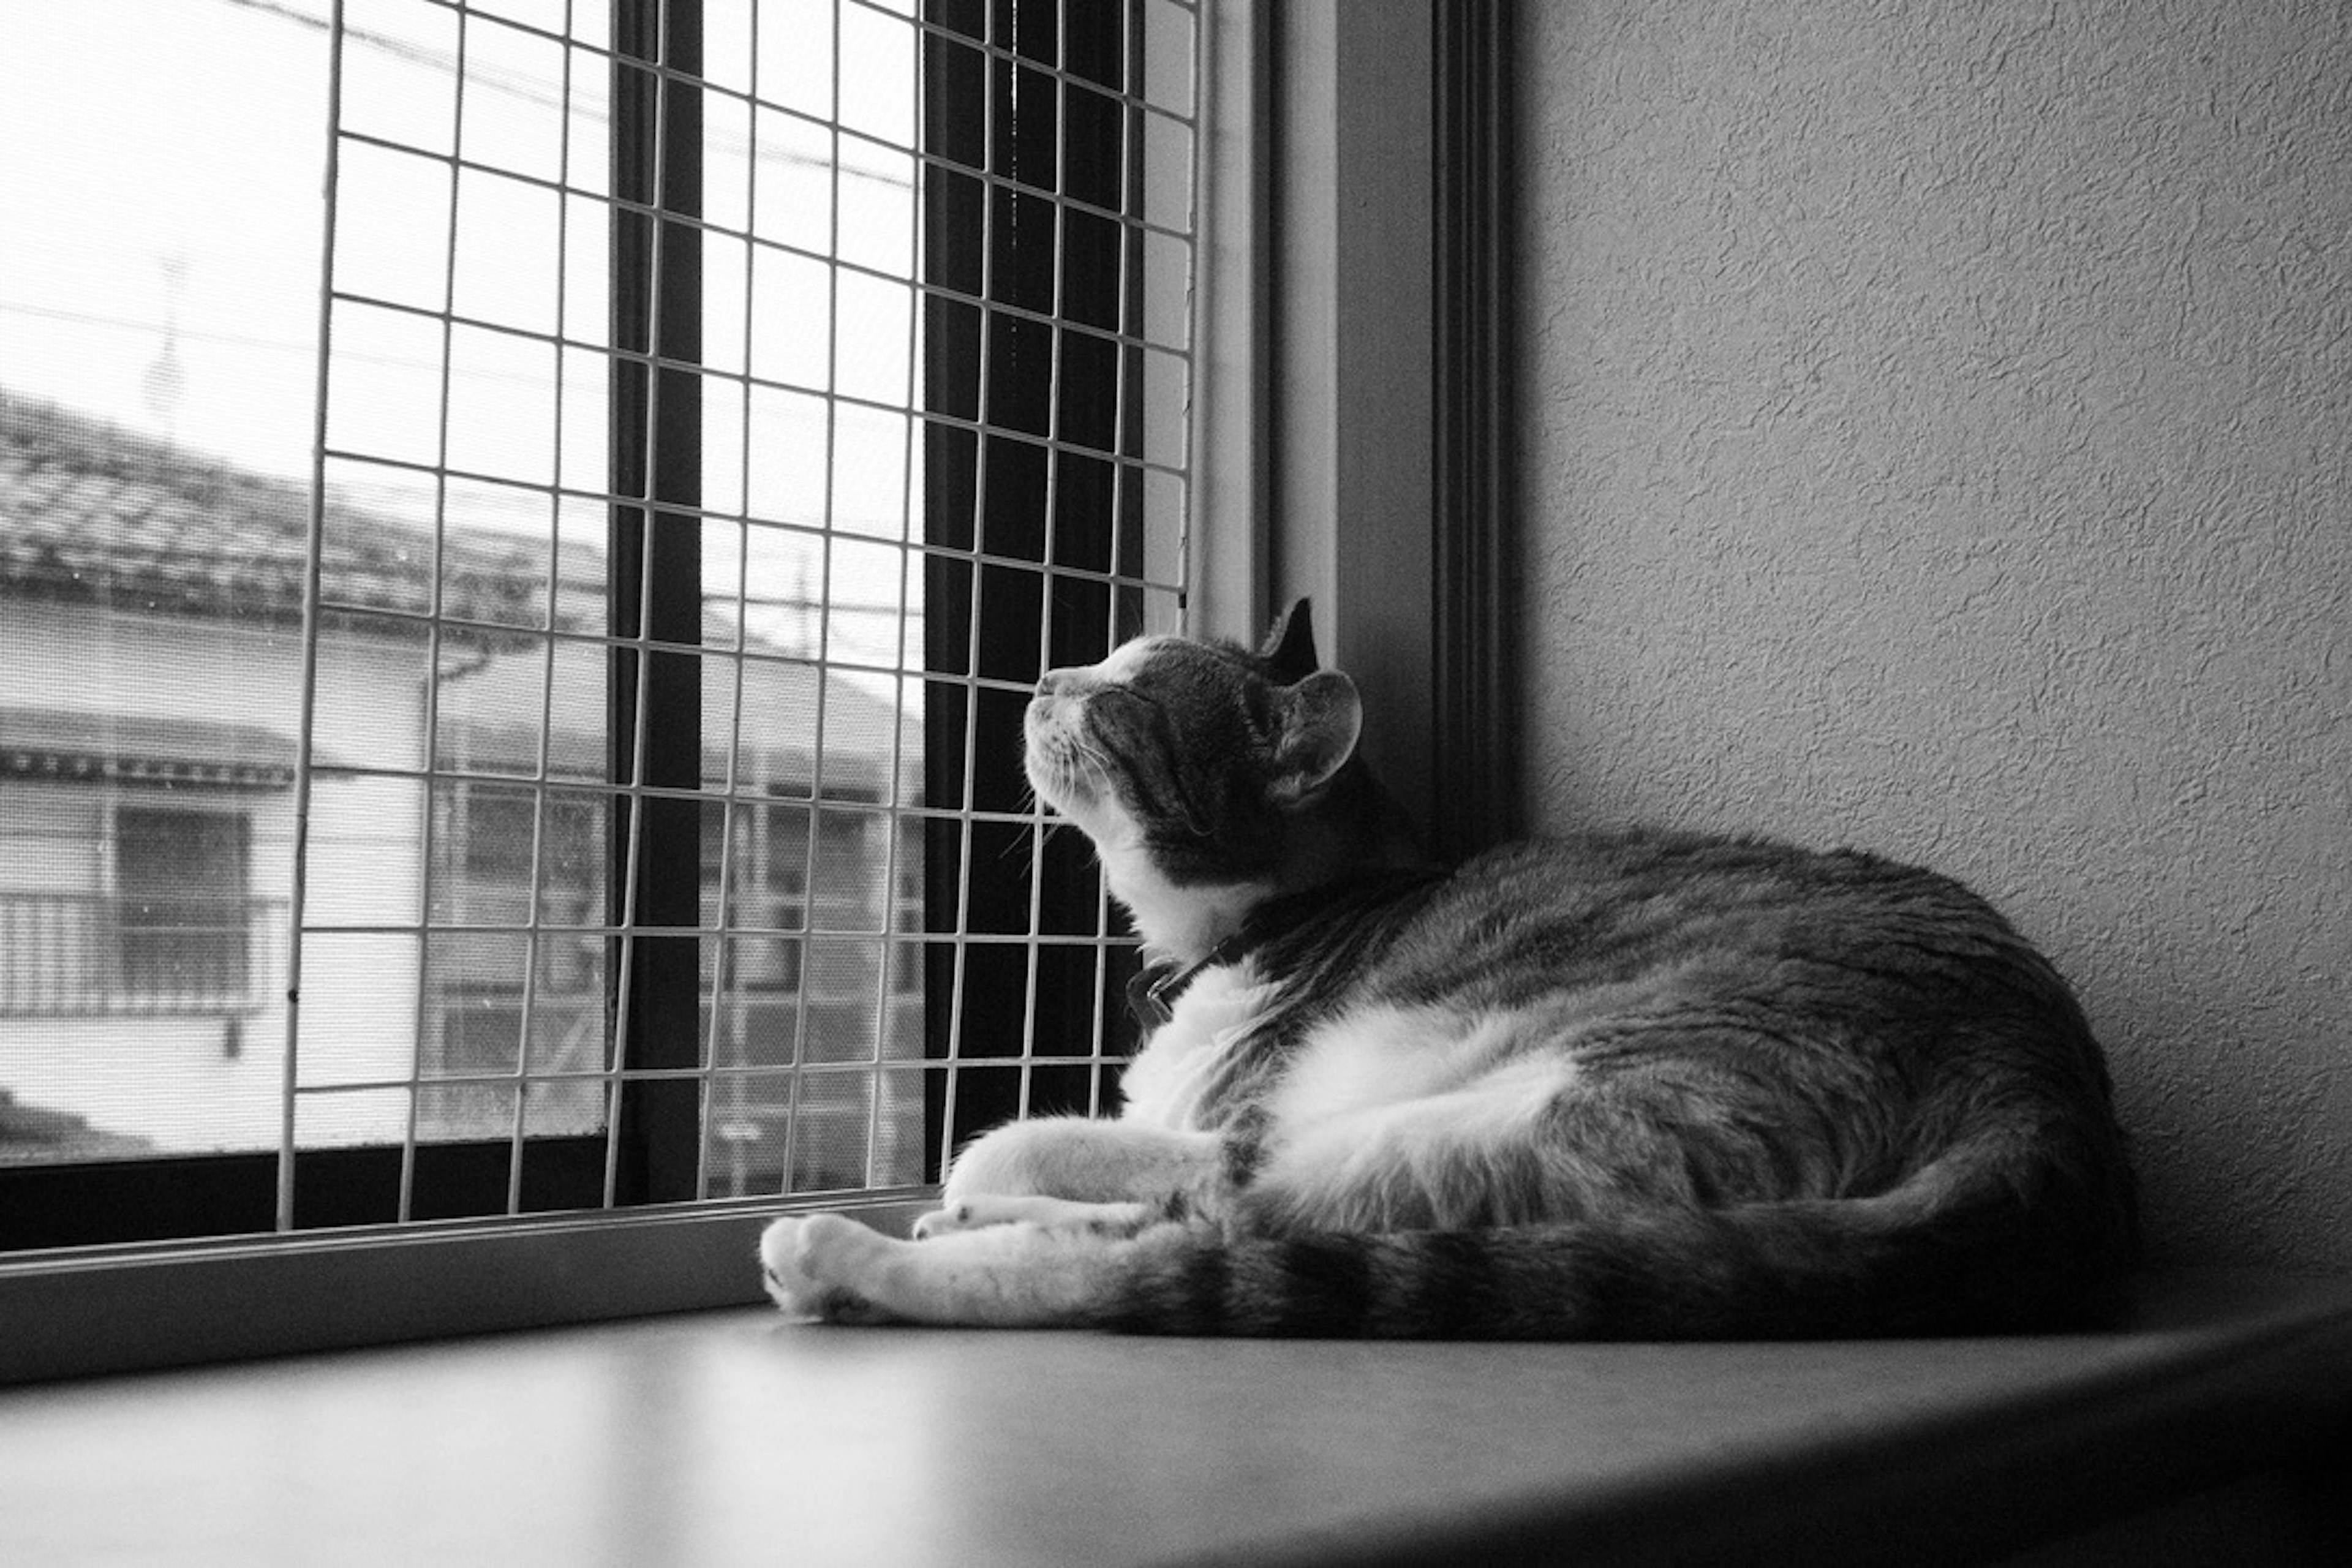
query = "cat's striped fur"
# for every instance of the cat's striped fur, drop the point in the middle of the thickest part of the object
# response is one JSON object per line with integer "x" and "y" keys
{"x": 1637, "y": 1085}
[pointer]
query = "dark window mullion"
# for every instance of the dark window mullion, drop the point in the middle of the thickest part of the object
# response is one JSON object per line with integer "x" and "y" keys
{"x": 1474, "y": 671}
{"x": 954, "y": 110}
{"x": 1003, "y": 501}
{"x": 656, "y": 588}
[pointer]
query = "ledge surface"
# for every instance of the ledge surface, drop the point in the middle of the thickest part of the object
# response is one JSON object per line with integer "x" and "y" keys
{"x": 730, "y": 1436}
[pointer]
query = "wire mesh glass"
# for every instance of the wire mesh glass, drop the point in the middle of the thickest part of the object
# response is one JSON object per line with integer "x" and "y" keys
{"x": 477, "y": 910}
{"x": 885, "y": 382}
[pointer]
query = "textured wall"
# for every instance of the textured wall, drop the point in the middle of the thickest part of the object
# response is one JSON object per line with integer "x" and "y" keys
{"x": 1939, "y": 439}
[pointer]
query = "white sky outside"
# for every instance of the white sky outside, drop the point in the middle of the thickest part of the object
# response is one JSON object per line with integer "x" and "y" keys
{"x": 163, "y": 162}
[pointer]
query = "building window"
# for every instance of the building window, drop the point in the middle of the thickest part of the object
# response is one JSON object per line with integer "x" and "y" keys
{"x": 182, "y": 907}
{"x": 128, "y": 889}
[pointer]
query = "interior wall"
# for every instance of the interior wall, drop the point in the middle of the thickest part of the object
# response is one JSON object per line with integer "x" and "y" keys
{"x": 1938, "y": 434}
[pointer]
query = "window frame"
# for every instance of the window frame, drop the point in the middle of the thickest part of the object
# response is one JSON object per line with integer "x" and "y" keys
{"x": 1357, "y": 397}
{"x": 104, "y": 975}
{"x": 1288, "y": 108}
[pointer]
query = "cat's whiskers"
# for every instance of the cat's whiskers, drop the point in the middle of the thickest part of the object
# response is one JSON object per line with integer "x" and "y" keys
{"x": 1093, "y": 755}
{"x": 1049, "y": 821}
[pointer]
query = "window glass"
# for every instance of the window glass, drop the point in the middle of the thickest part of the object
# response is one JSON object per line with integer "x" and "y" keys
{"x": 158, "y": 375}
{"x": 182, "y": 921}
{"x": 517, "y": 647}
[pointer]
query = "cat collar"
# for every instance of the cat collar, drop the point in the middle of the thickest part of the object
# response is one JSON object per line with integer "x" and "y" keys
{"x": 1152, "y": 994}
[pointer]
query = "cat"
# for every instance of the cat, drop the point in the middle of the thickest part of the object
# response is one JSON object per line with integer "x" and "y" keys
{"x": 1630, "y": 1085}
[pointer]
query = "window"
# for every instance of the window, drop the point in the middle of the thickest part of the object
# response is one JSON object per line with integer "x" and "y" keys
{"x": 181, "y": 887}
{"x": 119, "y": 901}
{"x": 590, "y": 611}
{"x": 483, "y": 626}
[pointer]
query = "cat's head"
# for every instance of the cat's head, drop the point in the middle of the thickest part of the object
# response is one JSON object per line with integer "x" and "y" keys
{"x": 1208, "y": 777}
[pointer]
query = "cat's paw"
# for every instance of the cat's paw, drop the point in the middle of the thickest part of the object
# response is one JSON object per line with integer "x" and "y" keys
{"x": 979, "y": 1213}
{"x": 811, "y": 1265}
{"x": 1038, "y": 1155}
{"x": 947, "y": 1221}
{"x": 991, "y": 1209}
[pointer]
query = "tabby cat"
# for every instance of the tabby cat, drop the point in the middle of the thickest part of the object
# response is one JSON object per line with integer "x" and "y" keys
{"x": 1631, "y": 1085}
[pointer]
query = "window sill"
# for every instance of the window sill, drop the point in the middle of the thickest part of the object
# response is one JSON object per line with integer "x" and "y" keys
{"x": 726, "y": 1436}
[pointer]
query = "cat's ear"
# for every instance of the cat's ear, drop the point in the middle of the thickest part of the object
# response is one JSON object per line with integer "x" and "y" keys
{"x": 1319, "y": 719}
{"x": 1289, "y": 646}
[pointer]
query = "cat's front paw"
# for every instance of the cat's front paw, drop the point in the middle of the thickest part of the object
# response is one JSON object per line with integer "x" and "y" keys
{"x": 947, "y": 1221}
{"x": 1043, "y": 1154}
{"x": 979, "y": 1213}
{"x": 811, "y": 1265}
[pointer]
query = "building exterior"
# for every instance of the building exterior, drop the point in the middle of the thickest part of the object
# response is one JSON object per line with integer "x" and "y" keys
{"x": 456, "y": 919}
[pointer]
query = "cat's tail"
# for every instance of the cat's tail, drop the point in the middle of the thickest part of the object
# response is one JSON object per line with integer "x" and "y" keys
{"x": 1967, "y": 1245}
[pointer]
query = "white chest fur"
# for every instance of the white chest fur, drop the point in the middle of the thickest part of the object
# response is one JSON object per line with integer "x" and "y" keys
{"x": 1164, "y": 1084}
{"x": 1382, "y": 1056}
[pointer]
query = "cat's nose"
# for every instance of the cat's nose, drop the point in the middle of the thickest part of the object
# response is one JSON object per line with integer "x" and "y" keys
{"x": 1058, "y": 683}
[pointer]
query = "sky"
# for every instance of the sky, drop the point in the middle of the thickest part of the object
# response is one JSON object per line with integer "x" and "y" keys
{"x": 166, "y": 194}
{"x": 161, "y": 263}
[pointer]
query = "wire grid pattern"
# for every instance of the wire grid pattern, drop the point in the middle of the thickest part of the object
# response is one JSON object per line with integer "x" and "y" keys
{"x": 866, "y": 850}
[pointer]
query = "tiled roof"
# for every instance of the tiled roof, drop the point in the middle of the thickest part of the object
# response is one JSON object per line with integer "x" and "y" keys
{"x": 93, "y": 512}
{"x": 45, "y": 746}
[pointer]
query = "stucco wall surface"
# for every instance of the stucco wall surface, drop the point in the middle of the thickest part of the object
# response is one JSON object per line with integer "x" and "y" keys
{"x": 1939, "y": 439}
